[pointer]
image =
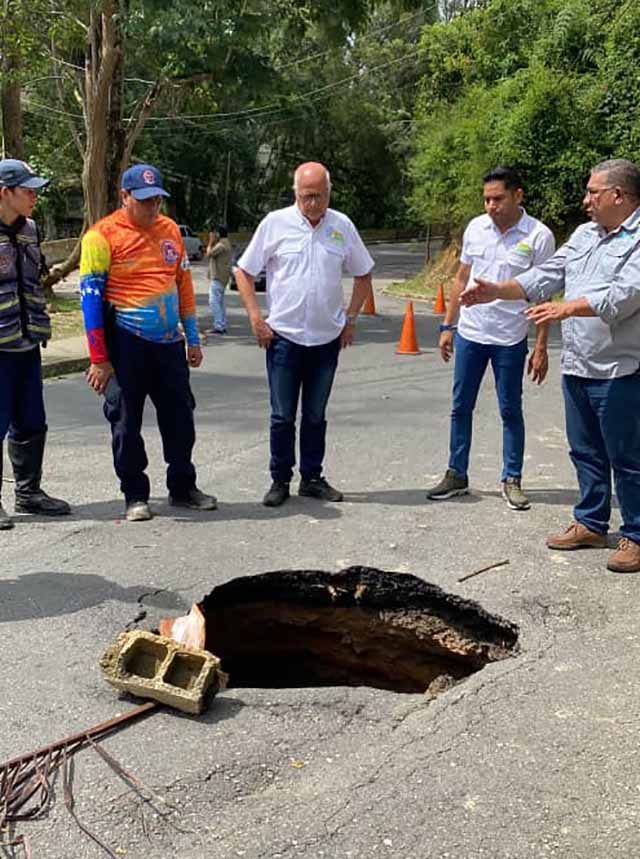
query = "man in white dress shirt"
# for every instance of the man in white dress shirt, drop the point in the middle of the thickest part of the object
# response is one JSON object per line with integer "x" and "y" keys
{"x": 498, "y": 245}
{"x": 304, "y": 248}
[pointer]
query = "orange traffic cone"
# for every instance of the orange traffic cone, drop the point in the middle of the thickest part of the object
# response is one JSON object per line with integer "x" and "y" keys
{"x": 408, "y": 344}
{"x": 440, "y": 306}
{"x": 369, "y": 306}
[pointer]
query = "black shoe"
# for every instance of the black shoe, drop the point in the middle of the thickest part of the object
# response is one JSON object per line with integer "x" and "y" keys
{"x": 277, "y": 494}
{"x": 5, "y": 522}
{"x": 317, "y": 487}
{"x": 194, "y": 500}
{"x": 41, "y": 503}
{"x": 26, "y": 458}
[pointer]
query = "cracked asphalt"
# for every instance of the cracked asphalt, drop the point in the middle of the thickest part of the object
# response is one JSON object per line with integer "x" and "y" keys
{"x": 535, "y": 756}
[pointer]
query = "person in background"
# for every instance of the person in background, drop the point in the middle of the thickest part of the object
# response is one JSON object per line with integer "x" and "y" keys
{"x": 24, "y": 327}
{"x": 304, "y": 249}
{"x": 139, "y": 308}
{"x": 219, "y": 253}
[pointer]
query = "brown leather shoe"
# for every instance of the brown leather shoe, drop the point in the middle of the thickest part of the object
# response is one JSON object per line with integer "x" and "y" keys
{"x": 577, "y": 536}
{"x": 626, "y": 558}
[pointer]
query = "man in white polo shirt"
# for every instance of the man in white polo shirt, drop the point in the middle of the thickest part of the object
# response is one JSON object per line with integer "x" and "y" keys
{"x": 304, "y": 249}
{"x": 498, "y": 245}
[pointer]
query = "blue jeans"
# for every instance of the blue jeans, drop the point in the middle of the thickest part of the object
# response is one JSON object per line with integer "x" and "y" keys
{"x": 216, "y": 303}
{"x": 292, "y": 368}
{"x": 21, "y": 400}
{"x": 471, "y": 361}
{"x": 603, "y": 429}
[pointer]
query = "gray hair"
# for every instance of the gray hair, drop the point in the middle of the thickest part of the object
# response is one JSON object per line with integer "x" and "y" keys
{"x": 295, "y": 179}
{"x": 622, "y": 173}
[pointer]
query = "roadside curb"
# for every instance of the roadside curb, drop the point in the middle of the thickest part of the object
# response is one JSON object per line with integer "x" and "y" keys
{"x": 64, "y": 367}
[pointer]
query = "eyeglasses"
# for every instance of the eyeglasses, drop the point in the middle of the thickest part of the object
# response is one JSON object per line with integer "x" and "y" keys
{"x": 311, "y": 198}
{"x": 595, "y": 192}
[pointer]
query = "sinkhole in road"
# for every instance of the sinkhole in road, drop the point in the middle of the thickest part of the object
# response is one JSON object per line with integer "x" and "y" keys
{"x": 358, "y": 627}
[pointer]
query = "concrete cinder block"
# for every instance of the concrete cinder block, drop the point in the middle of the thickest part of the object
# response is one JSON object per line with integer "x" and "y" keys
{"x": 152, "y": 666}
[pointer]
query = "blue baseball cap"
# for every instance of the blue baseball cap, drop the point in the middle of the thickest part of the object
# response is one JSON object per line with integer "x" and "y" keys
{"x": 143, "y": 181}
{"x": 18, "y": 174}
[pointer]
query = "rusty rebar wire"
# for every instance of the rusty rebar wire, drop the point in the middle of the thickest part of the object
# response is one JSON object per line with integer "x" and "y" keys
{"x": 28, "y": 778}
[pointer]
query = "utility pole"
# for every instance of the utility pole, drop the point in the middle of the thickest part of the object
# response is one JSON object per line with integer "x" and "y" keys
{"x": 226, "y": 188}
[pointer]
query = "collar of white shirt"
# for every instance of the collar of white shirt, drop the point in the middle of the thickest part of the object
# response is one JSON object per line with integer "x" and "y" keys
{"x": 523, "y": 225}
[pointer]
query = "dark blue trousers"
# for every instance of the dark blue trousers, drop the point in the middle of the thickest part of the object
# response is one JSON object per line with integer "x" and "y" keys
{"x": 21, "y": 400}
{"x": 158, "y": 371}
{"x": 603, "y": 429}
{"x": 293, "y": 369}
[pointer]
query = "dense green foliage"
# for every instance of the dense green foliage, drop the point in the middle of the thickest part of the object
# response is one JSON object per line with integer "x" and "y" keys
{"x": 548, "y": 86}
{"x": 241, "y": 94}
{"x": 408, "y": 102}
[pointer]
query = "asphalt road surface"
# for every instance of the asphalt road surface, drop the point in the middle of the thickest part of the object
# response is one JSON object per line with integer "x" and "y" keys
{"x": 535, "y": 756}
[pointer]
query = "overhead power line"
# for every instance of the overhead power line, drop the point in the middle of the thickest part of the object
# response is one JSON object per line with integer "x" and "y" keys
{"x": 255, "y": 111}
{"x": 305, "y": 58}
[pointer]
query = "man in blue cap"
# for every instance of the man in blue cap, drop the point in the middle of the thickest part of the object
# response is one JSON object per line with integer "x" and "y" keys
{"x": 24, "y": 327}
{"x": 135, "y": 261}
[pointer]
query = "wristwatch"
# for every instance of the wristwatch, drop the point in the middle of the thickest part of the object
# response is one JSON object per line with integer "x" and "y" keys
{"x": 445, "y": 327}
{"x": 350, "y": 319}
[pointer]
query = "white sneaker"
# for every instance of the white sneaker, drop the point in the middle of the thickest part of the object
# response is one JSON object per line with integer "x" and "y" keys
{"x": 138, "y": 511}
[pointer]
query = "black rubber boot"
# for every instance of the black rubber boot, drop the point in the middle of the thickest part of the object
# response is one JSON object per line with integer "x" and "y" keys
{"x": 5, "y": 521}
{"x": 26, "y": 458}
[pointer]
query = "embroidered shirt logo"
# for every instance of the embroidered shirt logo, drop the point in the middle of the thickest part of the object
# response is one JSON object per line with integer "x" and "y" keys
{"x": 523, "y": 249}
{"x": 336, "y": 237}
{"x": 169, "y": 252}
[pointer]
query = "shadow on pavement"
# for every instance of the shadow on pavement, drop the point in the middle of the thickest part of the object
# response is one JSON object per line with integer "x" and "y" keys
{"x": 220, "y": 709}
{"x": 253, "y": 510}
{"x": 105, "y": 511}
{"x": 404, "y": 497}
{"x": 567, "y": 497}
{"x": 52, "y": 594}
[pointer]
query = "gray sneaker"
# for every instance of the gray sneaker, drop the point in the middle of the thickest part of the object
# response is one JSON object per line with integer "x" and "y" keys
{"x": 450, "y": 486}
{"x": 138, "y": 511}
{"x": 513, "y": 494}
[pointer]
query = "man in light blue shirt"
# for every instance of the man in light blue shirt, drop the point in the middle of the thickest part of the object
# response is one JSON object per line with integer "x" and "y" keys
{"x": 598, "y": 269}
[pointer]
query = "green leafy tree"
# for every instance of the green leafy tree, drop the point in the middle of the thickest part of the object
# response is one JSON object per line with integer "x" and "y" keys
{"x": 544, "y": 85}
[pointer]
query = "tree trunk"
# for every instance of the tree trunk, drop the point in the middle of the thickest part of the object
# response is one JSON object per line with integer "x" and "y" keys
{"x": 61, "y": 270}
{"x": 103, "y": 113}
{"x": 107, "y": 145}
{"x": 13, "y": 143}
{"x": 104, "y": 56}
{"x": 115, "y": 126}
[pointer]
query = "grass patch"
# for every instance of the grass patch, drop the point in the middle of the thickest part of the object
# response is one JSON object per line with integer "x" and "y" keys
{"x": 424, "y": 285}
{"x": 66, "y": 317}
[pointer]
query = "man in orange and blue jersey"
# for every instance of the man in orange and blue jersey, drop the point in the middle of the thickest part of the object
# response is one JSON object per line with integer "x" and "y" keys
{"x": 139, "y": 308}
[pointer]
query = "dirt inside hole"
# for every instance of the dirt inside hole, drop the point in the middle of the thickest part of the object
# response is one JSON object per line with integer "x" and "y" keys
{"x": 358, "y": 627}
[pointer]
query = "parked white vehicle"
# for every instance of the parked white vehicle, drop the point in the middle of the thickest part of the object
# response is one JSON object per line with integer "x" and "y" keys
{"x": 192, "y": 244}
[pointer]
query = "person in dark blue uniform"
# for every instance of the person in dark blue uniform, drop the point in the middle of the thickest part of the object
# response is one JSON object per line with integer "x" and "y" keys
{"x": 24, "y": 327}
